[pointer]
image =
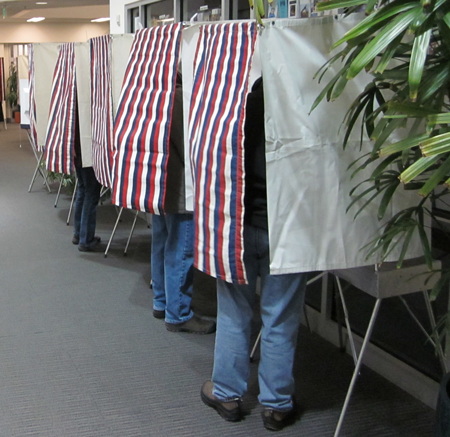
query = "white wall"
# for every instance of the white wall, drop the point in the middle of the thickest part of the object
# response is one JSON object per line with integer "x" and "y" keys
{"x": 50, "y": 32}
{"x": 117, "y": 14}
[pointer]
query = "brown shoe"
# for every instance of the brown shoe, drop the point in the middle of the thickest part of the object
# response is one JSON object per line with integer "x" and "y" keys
{"x": 195, "y": 325}
{"x": 275, "y": 420}
{"x": 229, "y": 410}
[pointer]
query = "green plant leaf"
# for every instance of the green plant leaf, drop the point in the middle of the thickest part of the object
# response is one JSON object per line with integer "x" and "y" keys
{"x": 443, "y": 118}
{"x": 406, "y": 243}
{"x": 405, "y": 144}
{"x": 446, "y": 19}
{"x": 418, "y": 168}
{"x": 382, "y": 40}
{"x": 369, "y": 24}
{"x": 327, "y": 88}
{"x": 437, "y": 178}
{"x": 424, "y": 239}
{"x": 383, "y": 165}
{"x": 387, "y": 197}
{"x": 392, "y": 126}
{"x": 333, "y": 4}
{"x": 416, "y": 66}
{"x": 388, "y": 54}
{"x": 436, "y": 145}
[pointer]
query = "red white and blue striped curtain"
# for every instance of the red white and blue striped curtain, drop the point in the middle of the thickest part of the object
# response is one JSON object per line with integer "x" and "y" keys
{"x": 2, "y": 81}
{"x": 102, "y": 108}
{"x": 60, "y": 138}
{"x": 216, "y": 133}
{"x": 142, "y": 125}
{"x": 32, "y": 84}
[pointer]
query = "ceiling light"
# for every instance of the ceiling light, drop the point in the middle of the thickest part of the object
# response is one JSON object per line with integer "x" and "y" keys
{"x": 41, "y": 3}
{"x": 35, "y": 19}
{"x": 100, "y": 20}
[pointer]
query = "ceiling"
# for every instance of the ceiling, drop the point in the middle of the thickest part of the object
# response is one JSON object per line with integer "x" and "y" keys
{"x": 19, "y": 11}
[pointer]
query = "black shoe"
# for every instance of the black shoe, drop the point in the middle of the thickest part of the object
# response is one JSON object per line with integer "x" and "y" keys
{"x": 159, "y": 314}
{"x": 76, "y": 239}
{"x": 93, "y": 248}
{"x": 275, "y": 420}
{"x": 195, "y": 325}
{"x": 229, "y": 410}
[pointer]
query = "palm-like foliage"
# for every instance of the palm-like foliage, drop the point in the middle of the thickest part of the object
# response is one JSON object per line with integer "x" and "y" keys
{"x": 405, "y": 45}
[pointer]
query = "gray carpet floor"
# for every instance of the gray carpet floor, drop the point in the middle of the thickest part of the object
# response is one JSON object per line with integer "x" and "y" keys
{"x": 81, "y": 354}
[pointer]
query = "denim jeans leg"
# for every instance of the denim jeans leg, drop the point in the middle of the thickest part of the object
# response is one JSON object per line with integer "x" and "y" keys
{"x": 179, "y": 267}
{"x": 79, "y": 200}
{"x": 234, "y": 315}
{"x": 87, "y": 201}
{"x": 282, "y": 300}
{"x": 92, "y": 197}
{"x": 159, "y": 238}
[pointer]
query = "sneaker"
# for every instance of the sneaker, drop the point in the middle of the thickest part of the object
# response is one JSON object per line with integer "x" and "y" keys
{"x": 159, "y": 314}
{"x": 229, "y": 410}
{"x": 76, "y": 239}
{"x": 195, "y": 325}
{"x": 275, "y": 420}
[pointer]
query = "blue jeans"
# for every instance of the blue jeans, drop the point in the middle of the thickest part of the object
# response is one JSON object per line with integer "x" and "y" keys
{"x": 172, "y": 264}
{"x": 282, "y": 299}
{"x": 88, "y": 195}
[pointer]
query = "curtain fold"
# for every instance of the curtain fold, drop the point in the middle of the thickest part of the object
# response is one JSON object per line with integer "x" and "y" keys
{"x": 142, "y": 124}
{"x": 102, "y": 109}
{"x": 60, "y": 138}
{"x": 216, "y": 133}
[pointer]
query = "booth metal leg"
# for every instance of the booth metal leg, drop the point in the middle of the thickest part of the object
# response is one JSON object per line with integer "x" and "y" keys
{"x": 358, "y": 365}
{"x": 114, "y": 231}
{"x": 72, "y": 202}
{"x": 347, "y": 321}
{"x": 59, "y": 192}
{"x": 131, "y": 232}
{"x": 39, "y": 170}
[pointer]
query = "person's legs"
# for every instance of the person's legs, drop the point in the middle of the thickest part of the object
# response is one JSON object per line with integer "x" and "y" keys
{"x": 159, "y": 238}
{"x": 89, "y": 214}
{"x": 282, "y": 300}
{"x": 234, "y": 316}
{"x": 78, "y": 204}
{"x": 179, "y": 267}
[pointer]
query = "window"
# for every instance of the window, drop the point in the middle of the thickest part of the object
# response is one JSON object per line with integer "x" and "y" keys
{"x": 206, "y": 10}
{"x": 158, "y": 13}
{"x": 133, "y": 17}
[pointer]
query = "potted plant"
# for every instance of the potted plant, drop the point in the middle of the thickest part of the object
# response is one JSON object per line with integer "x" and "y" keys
{"x": 405, "y": 45}
{"x": 12, "y": 84}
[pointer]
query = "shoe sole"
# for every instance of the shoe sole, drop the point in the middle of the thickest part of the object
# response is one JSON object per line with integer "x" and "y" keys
{"x": 171, "y": 327}
{"x": 229, "y": 416}
{"x": 189, "y": 331}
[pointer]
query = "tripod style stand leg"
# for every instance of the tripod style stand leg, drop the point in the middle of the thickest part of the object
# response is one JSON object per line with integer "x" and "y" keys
{"x": 114, "y": 231}
{"x": 59, "y": 192}
{"x": 347, "y": 321}
{"x": 358, "y": 365}
{"x": 72, "y": 202}
{"x": 39, "y": 170}
{"x": 131, "y": 232}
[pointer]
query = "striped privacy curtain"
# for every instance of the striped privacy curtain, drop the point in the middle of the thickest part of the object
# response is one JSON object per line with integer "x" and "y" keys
{"x": 59, "y": 142}
{"x": 2, "y": 80}
{"x": 102, "y": 108}
{"x": 216, "y": 134}
{"x": 142, "y": 125}
{"x": 32, "y": 84}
